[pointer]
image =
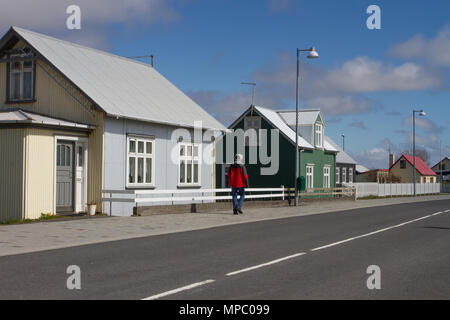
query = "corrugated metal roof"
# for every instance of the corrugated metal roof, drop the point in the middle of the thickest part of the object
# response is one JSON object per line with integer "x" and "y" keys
{"x": 120, "y": 86}
{"x": 342, "y": 156}
{"x": 21, "y": 116}
{"x": 277, "y": 122}
{"x": 305, "y": 117}
{"x": 361, "y": 169}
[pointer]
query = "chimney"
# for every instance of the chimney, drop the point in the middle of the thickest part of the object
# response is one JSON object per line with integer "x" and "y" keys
{"x": 391, "y": 159}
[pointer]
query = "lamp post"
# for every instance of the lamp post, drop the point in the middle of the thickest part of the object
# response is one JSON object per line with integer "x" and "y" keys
{"x": 253, "y": 90}
{"x": 422, "y": 114}
{"x": 343, "y": 142}
{"x": 312, "y": 54}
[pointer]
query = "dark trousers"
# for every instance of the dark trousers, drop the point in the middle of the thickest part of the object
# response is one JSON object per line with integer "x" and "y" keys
{"x": 234, "y": 192}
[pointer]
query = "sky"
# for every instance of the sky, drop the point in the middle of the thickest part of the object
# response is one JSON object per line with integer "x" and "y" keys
{"x": 366, "y": 82}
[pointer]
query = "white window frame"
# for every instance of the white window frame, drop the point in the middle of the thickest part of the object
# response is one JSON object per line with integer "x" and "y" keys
{"x": 309, "y": 176}
{"x": 338, "y": 175}
{"x": 350, "y": 175}
{"x": 189, "y": 159}
{"x": 250, "y": 138}
{"x": 326, "y": 177}
{"x": 137, "y": 155}
{"x": 21, "y": 73}
{"x": 344, "y": 175}
{"x": 319, "y": 135}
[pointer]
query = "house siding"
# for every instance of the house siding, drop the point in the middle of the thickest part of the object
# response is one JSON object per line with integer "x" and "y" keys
{"x": 11, "y": 174}
{"x": 348, "y": 166}
{"x": 407, "y": 175}
{"x": 53, "y": 101}
{"x": 285, "y": 174}
{"x": 39, "y": 173}
{"x": 166, "y": 172}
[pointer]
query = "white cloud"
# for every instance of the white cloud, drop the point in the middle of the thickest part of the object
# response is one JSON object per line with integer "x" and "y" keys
{"x": 50, "y": 15}
{"x": 436, "y": 51}
{"x": 422, "y": 123}
{"x": 375, "y": 158}
{"x": 339, "y": 104}
{"x": 363, "y": 74}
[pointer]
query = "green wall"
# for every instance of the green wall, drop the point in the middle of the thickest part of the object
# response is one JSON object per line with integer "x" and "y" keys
{"x": 285, "y": 175}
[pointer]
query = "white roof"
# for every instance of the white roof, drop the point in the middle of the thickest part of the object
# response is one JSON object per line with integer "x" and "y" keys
{"x": 120, "y": 86}
{"x": 277, "y": 122}
{"x": 305, "y": 117}
{"x": 342, "y": 156}
{"x": 361, "y": 169}
{"x": 21, "y": 116}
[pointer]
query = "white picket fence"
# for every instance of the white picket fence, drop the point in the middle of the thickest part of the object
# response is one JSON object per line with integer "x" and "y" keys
{"x": 184, "y": 196}
{"x": 364, "y": 189}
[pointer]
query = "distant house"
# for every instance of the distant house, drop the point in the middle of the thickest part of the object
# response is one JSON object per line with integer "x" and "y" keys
{"x": 345, "y": 166}
{"x": 377, "y": 175}
{"x": 75, "y": 121}
{"x": 360, "y": 169}
{"x": 403, "y": 170}
{"x": 444, "y": 171}
{"x": 317, "y": 156}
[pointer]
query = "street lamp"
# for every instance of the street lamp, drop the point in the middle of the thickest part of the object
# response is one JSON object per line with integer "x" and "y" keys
{"x": 343, "y": 142}
{"x": 253, "y": 90}
{"x": 312, "y": 54}
{"x": 422, "y": 114}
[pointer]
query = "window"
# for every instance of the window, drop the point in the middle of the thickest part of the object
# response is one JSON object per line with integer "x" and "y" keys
{"x": 326, "y": 177}
{"x": 344, "y": 175}
{"x": 309, "y": 177}
{"x": 319, "y": 135}
{"x": 338, "y": 175}
{"x": 402, "y": 164}
{"x": 80, "y": 156}
{"x": 443, "y": 167}
{"x": 189, "y": 165}
{"x": 140, "y": 162}
{"x": 21, "y": 80}
{"x": 251, "y": 136}
{"x": 350, "y": 175}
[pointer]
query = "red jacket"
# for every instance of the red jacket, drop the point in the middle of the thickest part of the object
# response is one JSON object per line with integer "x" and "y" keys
{"x": 237, "y": 176}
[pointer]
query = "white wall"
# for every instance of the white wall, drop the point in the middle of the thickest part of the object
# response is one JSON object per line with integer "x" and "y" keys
{"x": 166, "y": 172}
{"x": 393, "y": 189}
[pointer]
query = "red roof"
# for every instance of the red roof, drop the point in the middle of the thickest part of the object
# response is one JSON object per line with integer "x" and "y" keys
{"x": 421, "y": 166}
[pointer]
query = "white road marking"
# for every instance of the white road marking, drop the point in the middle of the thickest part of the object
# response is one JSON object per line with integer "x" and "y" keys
{"x": 198, "y": 284}
{"x": 377, "y": 231}
{"x": 168, "y": 293}
{"x": 266, "y": 264}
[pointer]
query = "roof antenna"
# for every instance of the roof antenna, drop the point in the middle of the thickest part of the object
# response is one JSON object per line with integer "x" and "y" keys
{"x": 152, "y": 57}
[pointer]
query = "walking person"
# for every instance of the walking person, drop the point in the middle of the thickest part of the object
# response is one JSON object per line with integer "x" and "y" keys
{"x": 238, "y": 181}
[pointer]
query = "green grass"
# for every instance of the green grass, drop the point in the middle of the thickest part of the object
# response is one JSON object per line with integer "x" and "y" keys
{"x": 44, "y": 217}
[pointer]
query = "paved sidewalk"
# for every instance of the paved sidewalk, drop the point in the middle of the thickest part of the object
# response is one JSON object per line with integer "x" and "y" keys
{"x": 17, "y": 239}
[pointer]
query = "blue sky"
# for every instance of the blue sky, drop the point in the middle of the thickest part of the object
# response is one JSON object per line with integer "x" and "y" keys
{"x": 366, "y": 82}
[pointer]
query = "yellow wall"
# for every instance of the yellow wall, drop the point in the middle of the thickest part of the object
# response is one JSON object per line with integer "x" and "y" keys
{"x": 39, "y": 173}
{"x": 406, "y": 175}
{"x": 53, "y": 101}
{"x": 11, "y": 174}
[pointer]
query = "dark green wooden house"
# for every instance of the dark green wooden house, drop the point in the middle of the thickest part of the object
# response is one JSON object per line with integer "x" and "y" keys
{"x": 317, "y": 157}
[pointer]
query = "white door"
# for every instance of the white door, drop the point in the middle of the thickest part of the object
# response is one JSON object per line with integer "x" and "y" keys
{"x": 64, "y": 176}
{"x": 80, "y": 177}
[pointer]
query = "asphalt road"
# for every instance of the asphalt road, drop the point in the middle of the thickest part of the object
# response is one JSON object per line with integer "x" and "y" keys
{"x": 311, "y": 257}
